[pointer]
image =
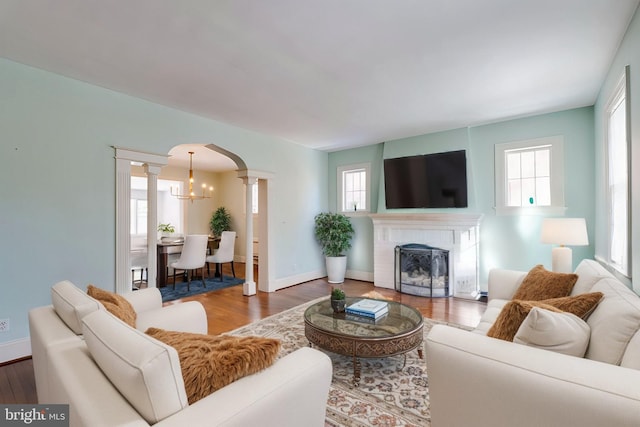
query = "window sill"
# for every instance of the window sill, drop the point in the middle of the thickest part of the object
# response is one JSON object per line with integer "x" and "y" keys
{"x": 533, "y": 210}
{"x": 355, "y": 213}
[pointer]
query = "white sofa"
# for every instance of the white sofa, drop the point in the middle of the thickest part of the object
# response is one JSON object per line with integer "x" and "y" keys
{"x": 475, "y": 380}
{"x": 111, "y": 374}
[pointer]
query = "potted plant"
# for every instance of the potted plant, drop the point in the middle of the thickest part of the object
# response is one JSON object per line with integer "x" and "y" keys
{"x": 220, "y": 221}
{"x": 338, "y": 300}
{"x": 166, "y": 230}
{"x": 334, "y": 233}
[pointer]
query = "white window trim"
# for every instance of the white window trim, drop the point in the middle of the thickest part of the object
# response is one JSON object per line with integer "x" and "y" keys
{"x": 340, "y": 172}
{"x": 621, "y": 88}
{"x": 557, "y": 207}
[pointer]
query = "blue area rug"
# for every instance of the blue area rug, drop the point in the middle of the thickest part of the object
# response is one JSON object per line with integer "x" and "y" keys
{"x": 213, "y": 284}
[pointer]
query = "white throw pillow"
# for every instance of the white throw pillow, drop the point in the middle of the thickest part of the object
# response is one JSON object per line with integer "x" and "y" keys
{"x": 72, "y": 304}
{"x": 563, "y": 332}
{"x": 144, "y": 370}
{"x": 614, "y": 322}
{"x": 589, "y": 273}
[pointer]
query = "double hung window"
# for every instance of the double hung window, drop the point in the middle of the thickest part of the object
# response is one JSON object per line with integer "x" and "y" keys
{"x": 529, "y": 176}
{"x": 617, "y": 158}
{"x": 354, "y": 188}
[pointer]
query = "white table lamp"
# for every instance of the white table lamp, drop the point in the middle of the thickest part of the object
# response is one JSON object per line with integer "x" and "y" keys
{"x": 564, "y": 232}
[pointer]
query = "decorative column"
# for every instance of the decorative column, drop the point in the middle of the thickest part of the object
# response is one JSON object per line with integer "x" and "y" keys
{"x": 123, "y": 225}
{"x": 265, "y": 270}
{"x": 249, "y": 287}
{"x": 152, "y": 172}
{"x": 153, "y": 163}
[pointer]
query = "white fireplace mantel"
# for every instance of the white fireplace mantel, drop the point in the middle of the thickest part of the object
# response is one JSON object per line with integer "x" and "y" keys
{"x": 455, "y": 221}
{"x": 456, "y": 232}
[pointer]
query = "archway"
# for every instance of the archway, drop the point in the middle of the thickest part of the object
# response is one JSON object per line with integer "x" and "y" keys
{"x": 153, "y": 163}
{"x": 262, "y": 179}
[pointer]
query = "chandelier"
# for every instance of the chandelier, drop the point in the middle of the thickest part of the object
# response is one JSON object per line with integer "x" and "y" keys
{"x": 191, "y": 195}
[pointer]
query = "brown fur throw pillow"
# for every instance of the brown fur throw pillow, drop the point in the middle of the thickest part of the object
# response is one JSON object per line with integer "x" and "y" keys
{"x": 511, "y": 317}
{"x": 581, "y": 305}
{"x": 210, "y": 362}
{"x": 115, "y": 304}
{"x": 514, "y": 312}
{"x": 541, "y": 284}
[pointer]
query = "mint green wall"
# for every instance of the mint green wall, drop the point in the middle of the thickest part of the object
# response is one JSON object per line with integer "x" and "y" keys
{"x": 452, "y": 140}
{"x": 514, "y": 241}
{"x": 506, "y": 241}
{"x": 57, "y": 202}
{"x": 360, "y": 257}
{"x": 57, "y": 170}
{"x": 628, "y": 54}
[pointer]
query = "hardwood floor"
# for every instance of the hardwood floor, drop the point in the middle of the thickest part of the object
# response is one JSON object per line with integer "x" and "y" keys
{"x": 228, "y": 309}
{"x": 17, "y": 384}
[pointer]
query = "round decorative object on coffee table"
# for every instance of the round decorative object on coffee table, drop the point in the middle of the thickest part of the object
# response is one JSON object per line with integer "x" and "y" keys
{"x": 397, "y": 332}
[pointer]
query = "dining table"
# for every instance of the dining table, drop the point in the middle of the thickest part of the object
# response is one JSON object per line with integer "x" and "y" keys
{"x": 174, "y": 246}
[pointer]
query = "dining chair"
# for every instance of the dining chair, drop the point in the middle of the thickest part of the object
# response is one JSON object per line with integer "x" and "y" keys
{"x": 192, "y": 258}
{"x": 139, "y": 262}
{"x": 139, "y": 259}
{"x": 224, "y": 253}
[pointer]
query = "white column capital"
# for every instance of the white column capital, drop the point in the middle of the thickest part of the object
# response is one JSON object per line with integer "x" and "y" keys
{"x": 152, "y": 169}
{"x": 123, "y": 165}
{"x": 252, "y": 176}
{"x": 249, "y": 180}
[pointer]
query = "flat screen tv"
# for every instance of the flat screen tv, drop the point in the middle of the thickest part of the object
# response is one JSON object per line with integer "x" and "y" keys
{"x": 426, "y": 181}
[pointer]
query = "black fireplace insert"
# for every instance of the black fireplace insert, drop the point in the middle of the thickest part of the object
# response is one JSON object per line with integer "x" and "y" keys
{"x": 422, "y": 270}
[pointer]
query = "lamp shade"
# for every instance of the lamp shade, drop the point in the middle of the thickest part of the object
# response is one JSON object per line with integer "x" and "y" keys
{"x": 565, "y": 231}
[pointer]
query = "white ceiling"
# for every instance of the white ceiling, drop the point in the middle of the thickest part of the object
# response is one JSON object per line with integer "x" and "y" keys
{"x": 203, "y": 158}
{"x": 329, "y": 74}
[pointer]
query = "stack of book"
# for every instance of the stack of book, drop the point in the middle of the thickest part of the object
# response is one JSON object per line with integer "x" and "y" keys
{"x": 368, "y": 309}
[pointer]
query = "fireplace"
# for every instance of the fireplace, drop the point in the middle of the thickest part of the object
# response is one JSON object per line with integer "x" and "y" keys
{"x": 422, "y": 270}
{"x": 457, "y": 233}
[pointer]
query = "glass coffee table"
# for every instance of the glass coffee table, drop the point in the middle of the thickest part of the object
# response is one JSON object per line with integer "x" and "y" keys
{"x": 398, "y": 332}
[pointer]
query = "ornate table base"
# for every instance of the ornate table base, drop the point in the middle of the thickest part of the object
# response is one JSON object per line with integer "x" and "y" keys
{"x": 365, "y": 346}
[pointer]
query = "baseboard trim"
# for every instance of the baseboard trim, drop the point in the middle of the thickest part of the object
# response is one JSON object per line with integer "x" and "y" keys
{"x": 13, "y": 350}
{"x": 365, "y": 276}
{"x": 285, "y": 282}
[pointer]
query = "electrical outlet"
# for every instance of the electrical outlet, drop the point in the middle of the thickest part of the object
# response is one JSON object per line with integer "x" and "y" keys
{"x": 4, "y": 325}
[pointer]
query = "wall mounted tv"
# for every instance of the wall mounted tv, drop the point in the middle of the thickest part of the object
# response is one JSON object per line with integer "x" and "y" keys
{"x": 426, "y": 181}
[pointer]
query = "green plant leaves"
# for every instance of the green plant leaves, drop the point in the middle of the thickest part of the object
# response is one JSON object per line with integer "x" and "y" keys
{"x": 220, "y": 221}
{"x": 334, "y": 233}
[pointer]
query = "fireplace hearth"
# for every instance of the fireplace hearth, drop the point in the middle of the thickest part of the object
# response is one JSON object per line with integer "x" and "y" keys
{"x": 422, "y": 270}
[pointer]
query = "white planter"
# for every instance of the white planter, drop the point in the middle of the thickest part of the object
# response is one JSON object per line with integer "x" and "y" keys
{"x": 336, "y": 268}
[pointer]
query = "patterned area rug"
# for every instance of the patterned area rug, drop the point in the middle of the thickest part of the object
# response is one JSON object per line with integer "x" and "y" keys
{"x": 213, "y": 284}
{"x": 389, "y": 394}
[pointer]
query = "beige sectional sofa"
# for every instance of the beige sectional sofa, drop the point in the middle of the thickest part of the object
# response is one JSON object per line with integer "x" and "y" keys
{"x": 111, "y": 374}
{"x": 475, "y": 380}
